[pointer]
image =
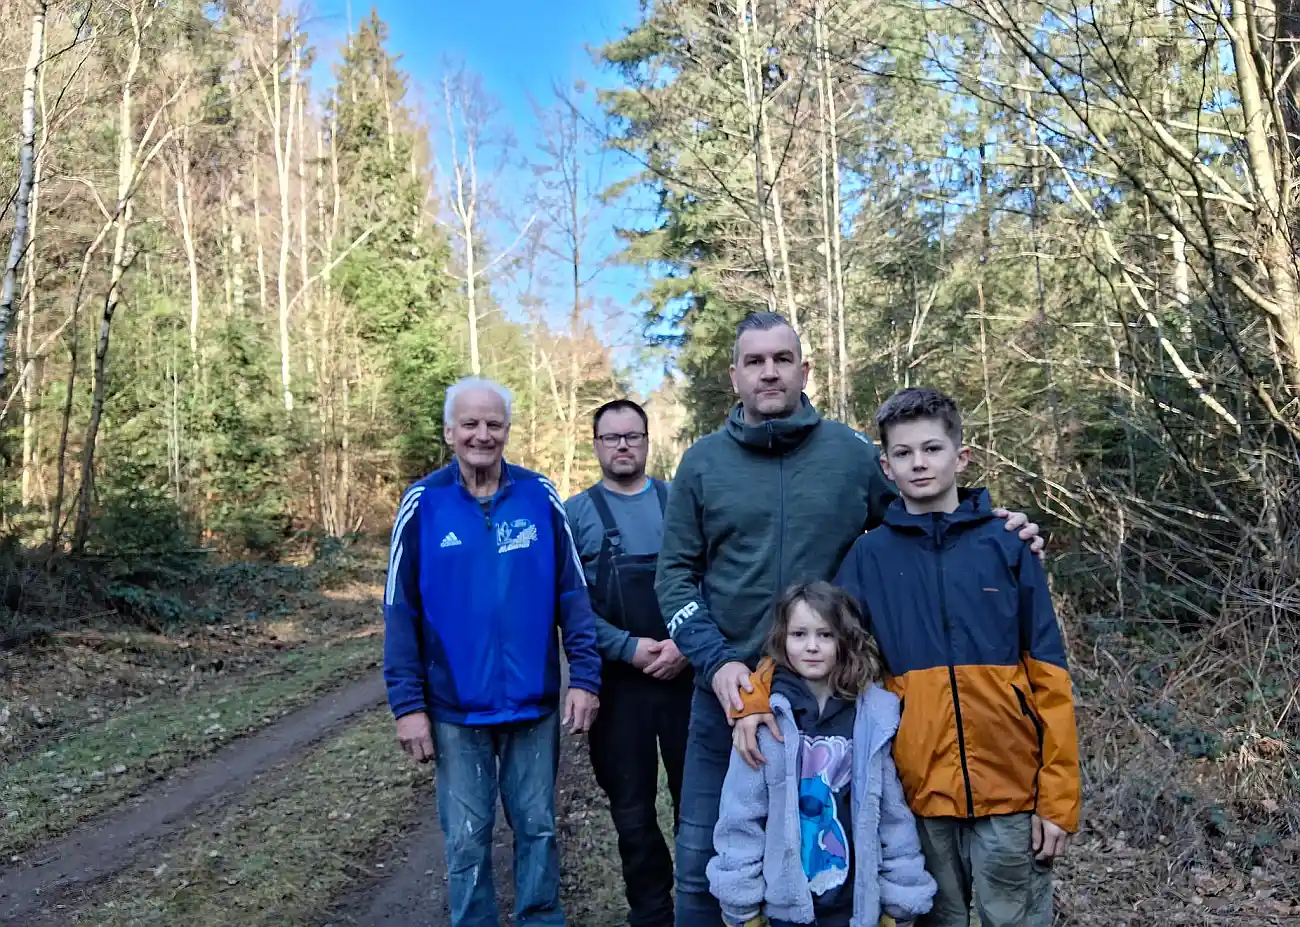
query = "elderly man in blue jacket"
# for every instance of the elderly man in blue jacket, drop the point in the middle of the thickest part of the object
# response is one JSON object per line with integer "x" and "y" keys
{"x": 481, "y": 572}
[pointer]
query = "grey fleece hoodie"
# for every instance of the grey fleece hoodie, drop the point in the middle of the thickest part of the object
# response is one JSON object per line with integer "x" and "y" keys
{"x": 752, "y": 509}
{"x": 757, "y": 837}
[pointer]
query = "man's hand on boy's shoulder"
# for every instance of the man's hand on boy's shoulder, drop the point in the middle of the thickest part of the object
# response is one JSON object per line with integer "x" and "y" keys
{"x": 1028, "y": 530}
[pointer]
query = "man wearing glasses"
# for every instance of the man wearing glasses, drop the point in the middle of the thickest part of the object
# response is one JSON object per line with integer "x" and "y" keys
{"x": 646, "y": 683}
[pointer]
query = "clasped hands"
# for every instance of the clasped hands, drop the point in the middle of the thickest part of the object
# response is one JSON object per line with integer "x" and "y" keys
{"x": 658, "y": 659}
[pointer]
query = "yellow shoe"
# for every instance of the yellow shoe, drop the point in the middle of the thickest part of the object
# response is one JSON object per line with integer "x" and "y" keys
{"x": 887, "y": 921}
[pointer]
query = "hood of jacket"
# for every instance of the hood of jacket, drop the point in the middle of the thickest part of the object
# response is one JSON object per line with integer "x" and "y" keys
{"x": 974, "y": 507}
{"x": 775, "y": 436}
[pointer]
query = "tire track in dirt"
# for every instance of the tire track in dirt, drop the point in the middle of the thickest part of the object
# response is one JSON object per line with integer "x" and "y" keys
{"x": 104, "y": 846}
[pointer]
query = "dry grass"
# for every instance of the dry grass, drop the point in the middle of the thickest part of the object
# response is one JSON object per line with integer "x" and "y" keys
{"x": 1192, "y": 775}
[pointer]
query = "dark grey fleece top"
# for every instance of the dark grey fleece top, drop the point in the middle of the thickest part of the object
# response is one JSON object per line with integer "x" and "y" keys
{"x": 752, "y": 509}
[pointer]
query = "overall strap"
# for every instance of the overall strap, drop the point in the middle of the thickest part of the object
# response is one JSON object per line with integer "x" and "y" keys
{"x": 612, "y": 534}
{"x": 661, "y": 490}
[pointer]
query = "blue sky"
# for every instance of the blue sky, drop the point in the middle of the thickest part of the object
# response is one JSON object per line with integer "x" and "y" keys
{"x": 519, "y": 48}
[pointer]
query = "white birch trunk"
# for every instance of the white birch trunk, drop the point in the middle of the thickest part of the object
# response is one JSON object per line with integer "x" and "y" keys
{"x": 26, "y": 174}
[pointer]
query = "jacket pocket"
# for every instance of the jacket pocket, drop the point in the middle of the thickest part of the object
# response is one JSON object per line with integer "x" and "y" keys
{"x": 1033, "y": 718}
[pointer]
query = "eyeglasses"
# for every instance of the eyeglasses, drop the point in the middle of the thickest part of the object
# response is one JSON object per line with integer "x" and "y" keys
{"x": 633, "y": 439}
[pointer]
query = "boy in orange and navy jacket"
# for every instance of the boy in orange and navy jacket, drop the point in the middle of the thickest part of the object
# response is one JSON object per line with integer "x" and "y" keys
{"x": 987, "y": 748}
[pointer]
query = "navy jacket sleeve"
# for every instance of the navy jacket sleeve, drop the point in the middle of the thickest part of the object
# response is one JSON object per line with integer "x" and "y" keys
{"x": 403, "y": 666}
{"x": 577, "y": 621}
{"x": 679, "y": 573}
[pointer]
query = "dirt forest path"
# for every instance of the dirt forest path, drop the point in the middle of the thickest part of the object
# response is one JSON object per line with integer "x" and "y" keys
{"x": 402, "y": 878}
{"x": 102, "y": 847}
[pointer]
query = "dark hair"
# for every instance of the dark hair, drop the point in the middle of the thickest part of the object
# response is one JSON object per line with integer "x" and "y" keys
{"x": 917, "y": 402}
{"x": 857, "y": 658}
{"x": 759, "y": 322}
{"x": 614, "y": 405}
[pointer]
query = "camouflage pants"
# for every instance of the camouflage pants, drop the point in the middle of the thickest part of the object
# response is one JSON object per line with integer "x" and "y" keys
{"x": 992, "y": 860}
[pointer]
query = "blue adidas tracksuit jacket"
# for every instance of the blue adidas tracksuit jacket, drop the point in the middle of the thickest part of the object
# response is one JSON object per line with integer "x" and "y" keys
{"x": 474, "y": 598}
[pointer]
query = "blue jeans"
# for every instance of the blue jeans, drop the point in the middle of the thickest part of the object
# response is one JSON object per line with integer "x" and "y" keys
{"x": 708, "y": 752}
{"x": 524, "y": 759}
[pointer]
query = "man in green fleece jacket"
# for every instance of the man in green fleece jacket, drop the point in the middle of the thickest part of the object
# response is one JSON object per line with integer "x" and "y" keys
{"x": 776, "y": 496}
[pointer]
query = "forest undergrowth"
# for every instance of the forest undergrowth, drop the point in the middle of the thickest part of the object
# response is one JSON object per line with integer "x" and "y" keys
{"x": 112, "y": 675}
{"x": 1189, "y": 739}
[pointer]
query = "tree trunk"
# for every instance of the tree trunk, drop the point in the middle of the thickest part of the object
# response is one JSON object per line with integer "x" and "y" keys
{"x": 227, "y": 257}
{"x": 191, "y": 253}
{"x": 1276, "y": 250}
{"x": 239, "y": 300}
{"x": 532, "y": 399}
{"x": 132, "y": 160}
{"x": 26, "y": 174}
{"x": 837, "y": 215}
{"x": 111, "y": 300}
{"x": 323, "y": 384}
{"x": 990, "y": 439}
{"x": 32, "y": 372}
{"x": 29, "y": 382}
{"x": 778, "y": 222}
{"x": 257, "y": 235}
{"x": 464, "y": 203}
{"x": 345, "y": 456}
{"x": 575, "y": 329}
{"x": 283, "y": 129}
{"x": 74, "y": 346}
{"x": 471, "y": 309}
{"x": 753, "y": 110}
{"x": 303, "y": 256}
{"x": 824, "y": 210}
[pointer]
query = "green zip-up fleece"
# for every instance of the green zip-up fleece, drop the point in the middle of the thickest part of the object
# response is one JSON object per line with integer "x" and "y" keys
{"x": 752, "y": 509}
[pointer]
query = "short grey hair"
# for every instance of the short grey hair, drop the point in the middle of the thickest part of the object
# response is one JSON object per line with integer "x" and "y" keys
{"x": 759, "y": 322}
{"x": 469, "y": 385}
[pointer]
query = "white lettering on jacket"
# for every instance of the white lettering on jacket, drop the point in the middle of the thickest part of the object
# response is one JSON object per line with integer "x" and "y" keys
{"x": 683, "y": 613}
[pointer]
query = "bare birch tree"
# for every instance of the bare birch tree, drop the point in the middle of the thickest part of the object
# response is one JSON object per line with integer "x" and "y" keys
{"x": 134, "y": 157}
{"x": 278, "y": 116}
{"x": 26, "y": 173}
{"x": 468, "y": 116}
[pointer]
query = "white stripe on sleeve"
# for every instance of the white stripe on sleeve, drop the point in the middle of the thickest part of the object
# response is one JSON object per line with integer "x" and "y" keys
{"x": 405, "y": 513}
{"x": 563, "y": 516}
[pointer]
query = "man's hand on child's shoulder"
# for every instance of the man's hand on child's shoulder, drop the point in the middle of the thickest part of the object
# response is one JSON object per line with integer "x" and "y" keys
{"x": 1019, "y": 521}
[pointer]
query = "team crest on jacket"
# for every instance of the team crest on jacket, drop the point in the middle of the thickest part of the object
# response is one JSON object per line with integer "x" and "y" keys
{"x": 515, "y": 535}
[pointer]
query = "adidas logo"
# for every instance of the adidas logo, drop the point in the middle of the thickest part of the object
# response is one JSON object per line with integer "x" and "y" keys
{"x": 450, "y": 540}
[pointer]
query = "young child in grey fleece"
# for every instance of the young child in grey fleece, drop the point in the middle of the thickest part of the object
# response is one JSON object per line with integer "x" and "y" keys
{"x": 821, "y": 834}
